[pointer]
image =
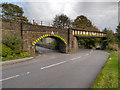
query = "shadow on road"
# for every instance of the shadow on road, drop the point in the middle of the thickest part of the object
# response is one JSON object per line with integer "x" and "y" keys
{"x": 42, "y": 50}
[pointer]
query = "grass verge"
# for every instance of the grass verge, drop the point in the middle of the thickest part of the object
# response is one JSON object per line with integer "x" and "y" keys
{"x": 12, "y": 57}
{"x": 108, "y": 77}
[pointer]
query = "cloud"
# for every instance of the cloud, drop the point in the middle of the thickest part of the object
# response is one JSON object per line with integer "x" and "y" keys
{"x": 60, "y": 0}
{"x": 46, "y": 11}
{"x": 102, "y": 14}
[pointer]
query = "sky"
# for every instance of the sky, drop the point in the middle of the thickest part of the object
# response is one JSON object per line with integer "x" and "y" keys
{"x": 102, "y": 14}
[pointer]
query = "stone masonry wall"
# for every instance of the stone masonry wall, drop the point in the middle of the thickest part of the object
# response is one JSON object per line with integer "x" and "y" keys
{"x": 31, "y": 32}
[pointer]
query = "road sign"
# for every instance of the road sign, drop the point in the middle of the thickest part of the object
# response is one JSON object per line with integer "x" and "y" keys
{"x": 52, "y": 33}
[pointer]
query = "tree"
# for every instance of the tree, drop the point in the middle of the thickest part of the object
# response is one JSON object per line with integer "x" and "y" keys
{"x": 118, "y": 32}
{"x": 109, "y": 36}
{"x": 105, "y": 30}
{"x": 118, "y": 35}
{"x": 13, "y": 12}
{"x": 13, "y": 41}
{"x": 109, "y": 40}
{"x": 84, "y": 23}
{"x": 61, "y": 21}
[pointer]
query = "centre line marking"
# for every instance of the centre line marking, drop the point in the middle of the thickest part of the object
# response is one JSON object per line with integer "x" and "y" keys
{"x": 28, "y": 72}
{"x": 58, "y": 63}
{"x": 53, "y": 65}
{"x": 76, "y": 58}
{"x": 10, "y": 77}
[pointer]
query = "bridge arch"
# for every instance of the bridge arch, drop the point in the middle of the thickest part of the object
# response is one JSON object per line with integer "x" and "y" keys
{"x": 49, "y": 35}
{"x": 62, "y": 44}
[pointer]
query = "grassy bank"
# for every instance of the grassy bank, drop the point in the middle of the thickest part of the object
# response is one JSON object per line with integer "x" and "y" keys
{"x": 13, "y": 57}
{"x": 108, "y": 77}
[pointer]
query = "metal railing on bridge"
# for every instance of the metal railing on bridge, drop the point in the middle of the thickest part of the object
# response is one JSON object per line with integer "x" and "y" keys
{"x": 86, "y": 33}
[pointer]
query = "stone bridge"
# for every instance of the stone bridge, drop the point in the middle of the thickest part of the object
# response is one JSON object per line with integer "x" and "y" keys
{"x": 32, "y": 34}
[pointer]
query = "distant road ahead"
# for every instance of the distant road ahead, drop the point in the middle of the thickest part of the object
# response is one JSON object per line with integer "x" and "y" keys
{"x": 56, "y": 70}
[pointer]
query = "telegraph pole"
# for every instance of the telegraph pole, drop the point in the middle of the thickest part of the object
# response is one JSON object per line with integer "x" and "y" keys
{"x": 41, "y": 23}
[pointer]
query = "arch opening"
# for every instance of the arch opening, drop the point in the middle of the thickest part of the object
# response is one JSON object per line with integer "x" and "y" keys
{"x": 59, "y": 43}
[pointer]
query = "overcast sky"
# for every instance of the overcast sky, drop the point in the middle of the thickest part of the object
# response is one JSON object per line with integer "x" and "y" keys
{"x": 102, "y": 14}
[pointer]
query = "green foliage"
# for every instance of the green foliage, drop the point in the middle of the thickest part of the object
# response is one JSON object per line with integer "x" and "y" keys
{"x": 8, "y": 54}
{"x": 15, "y": 56}
{"x": 110, "y": 47}
{"x": 13, "y": 12}
{"x": 88, "y": 42}
{"x": 6, "y": 51}
{"x": 118, "y": 34}
{"x": 61, "y": 21}
{"x": 24, "y": 54}
{"x": 116, "y": 38}
{"x": 14, "y": 42}
{"x": 84, "y": 23}
{"x": 10, "y": 10}
{"x": 110, "y": 38}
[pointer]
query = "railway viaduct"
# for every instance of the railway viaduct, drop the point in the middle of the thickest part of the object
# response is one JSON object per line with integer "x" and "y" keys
{"x": 32, "y": 34}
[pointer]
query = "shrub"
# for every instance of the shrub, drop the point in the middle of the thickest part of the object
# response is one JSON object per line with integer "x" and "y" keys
{"x": 6, "y": 51}
{"x": 110, "y": 47}
{"x": 14, "y": 42}
{"x": 10, "y": 56}
{"x": 25, "y": 54}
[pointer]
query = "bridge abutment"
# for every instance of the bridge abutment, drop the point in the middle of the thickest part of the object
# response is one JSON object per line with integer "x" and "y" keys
{"x": 73, "y": 43}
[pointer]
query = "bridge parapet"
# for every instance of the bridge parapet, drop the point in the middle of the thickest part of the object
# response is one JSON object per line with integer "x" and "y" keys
{"x": 86, "y": 33}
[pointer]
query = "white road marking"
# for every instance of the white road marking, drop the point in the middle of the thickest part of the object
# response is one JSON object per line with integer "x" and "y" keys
{"x": 10, "y": 77}
{"x": 28, "y": 72}
{"x": 53, "y": 65}
{"x": 58, "y": 63}
{"x": 87, "y": 54}
{"x": 75, "y": 58}
{"x": 14, "y": 76}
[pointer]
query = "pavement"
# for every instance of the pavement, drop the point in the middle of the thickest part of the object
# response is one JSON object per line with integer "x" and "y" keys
{"x": 15, "y": 61}
{"x": 56, "y": 70}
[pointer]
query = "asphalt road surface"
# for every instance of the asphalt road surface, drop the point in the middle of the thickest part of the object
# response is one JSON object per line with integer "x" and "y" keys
{"x": 56, "y": 70}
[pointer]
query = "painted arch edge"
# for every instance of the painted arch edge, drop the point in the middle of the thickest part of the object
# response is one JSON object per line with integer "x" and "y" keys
{"x": 48, "y": 35}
